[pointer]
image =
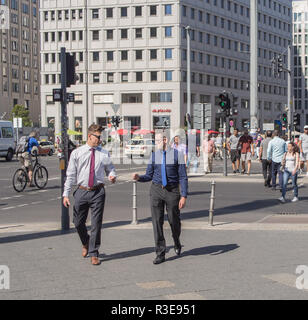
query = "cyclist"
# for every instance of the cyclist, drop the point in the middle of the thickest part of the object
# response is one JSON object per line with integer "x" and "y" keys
{"x": 25, "y": 157}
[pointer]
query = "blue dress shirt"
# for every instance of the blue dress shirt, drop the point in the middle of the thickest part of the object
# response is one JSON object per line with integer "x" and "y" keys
{"x": 175, "y": 169}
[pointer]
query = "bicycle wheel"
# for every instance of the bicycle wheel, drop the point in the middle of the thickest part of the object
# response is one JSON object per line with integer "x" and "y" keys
{"x": 40, "y": 177}
{"x": 20, "y": 180}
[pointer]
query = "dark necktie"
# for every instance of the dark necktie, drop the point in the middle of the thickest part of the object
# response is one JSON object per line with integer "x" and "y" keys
{"x": 163, "y": 170}
{"x": 92, "y": 167}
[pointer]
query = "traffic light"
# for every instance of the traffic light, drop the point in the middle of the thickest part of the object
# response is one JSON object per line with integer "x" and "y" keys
{"x": 279, "y": 64}
{"x": 71, "y": 76}
{"x": 224, "y": 101}
{"x": 284, "y": 119}
{"x": 296, "y": 119}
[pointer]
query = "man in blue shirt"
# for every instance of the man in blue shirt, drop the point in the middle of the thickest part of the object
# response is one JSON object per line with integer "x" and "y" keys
{"x": 26, "y": 159}
{"x": 277, "y": 147}
{"x": 167, "y": 172}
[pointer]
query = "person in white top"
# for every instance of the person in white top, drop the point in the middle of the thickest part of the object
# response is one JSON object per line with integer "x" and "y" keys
{"x": 290, "y": 166}
{"x": 86, "y": 169}
{"x": 303, "y": 145}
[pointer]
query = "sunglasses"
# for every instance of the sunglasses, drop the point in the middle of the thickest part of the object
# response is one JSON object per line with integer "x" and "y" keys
{"x": 98, "y": 137}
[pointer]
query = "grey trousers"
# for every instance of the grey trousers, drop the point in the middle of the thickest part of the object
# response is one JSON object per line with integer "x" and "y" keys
{"x": 85, "y": 200}
{"x": 160, "y": 198}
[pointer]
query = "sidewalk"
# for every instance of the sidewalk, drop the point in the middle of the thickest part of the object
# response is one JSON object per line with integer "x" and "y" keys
{"x": 222, "y": 264}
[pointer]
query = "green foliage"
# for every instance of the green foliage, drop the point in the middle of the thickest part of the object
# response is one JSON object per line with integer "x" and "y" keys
{"x": 19, "y": 111}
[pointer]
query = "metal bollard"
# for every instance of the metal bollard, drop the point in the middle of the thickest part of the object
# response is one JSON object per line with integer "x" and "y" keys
{"x": 135, "y": 219}
{"x": 212, "y": 203}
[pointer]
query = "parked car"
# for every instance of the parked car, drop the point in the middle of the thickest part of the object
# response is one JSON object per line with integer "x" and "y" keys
{"x": 141, "y": 147}
{"x": 7, "y": 141}
{"x": 46, "y": 148}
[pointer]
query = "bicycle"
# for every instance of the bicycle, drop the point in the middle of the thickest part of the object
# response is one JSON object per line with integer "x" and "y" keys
{"x": 21, "y": 178}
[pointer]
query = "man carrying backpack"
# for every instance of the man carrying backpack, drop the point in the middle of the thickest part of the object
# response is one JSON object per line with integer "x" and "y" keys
{"x": 24, "y": 148}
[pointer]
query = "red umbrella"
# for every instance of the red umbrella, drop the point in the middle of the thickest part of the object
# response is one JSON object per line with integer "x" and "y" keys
{"x": 212, "y": 131}
{"x": 143, "y": 131}
{"x": 121, "y": 132}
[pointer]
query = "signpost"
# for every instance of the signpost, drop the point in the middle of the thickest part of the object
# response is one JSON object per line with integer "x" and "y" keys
{"x": 17, "y": 123}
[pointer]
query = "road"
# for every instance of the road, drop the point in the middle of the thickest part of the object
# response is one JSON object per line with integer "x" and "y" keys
{"x": 238, "y": 198}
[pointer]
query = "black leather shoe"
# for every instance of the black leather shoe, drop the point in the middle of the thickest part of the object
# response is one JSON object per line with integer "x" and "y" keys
{"x": 178, "y": 250}
{"x": 159, "y": 259}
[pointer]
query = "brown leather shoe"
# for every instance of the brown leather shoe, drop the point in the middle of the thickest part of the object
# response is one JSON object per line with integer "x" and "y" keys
{"x": 85, "y": 250}
{"x": 95, "y": 261}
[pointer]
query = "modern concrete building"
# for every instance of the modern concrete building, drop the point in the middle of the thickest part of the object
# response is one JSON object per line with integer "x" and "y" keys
{"x": 133, "y": 54}
{"x": 300, "y": 64}
{"x": 20, "y": 59}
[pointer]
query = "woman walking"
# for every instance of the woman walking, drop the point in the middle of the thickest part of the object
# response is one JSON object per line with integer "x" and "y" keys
{"x": 290, "y": 167}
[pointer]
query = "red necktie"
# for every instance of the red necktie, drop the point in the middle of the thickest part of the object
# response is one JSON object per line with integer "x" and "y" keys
{"x": 92, "y": 167}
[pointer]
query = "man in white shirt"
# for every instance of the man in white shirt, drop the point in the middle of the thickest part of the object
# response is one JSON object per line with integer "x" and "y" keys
{"x": 303, "y": 145}
{"x": 86, "y": 169}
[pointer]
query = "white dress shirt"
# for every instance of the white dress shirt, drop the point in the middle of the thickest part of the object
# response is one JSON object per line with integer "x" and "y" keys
{"x": 78, "y": 170}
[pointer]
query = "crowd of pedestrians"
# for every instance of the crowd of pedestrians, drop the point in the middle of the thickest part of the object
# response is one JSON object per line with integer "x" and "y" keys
{"x": 281, "y": 159}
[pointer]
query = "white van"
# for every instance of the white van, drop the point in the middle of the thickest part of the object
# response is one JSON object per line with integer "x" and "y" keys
{"x": 7, "y": 141}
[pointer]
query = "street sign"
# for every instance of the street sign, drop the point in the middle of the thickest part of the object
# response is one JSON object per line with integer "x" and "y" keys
{"x": 17, "y": 122}
{"x": 202, "y": 116}
{"x": 268, "y": 126}
{"x": 116, "y": 107}
{"x": 57, "y": 95}
{"x": 70, "y": 97}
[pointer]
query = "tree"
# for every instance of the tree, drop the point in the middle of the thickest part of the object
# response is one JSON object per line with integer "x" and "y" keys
{"x": 19, "y": 111}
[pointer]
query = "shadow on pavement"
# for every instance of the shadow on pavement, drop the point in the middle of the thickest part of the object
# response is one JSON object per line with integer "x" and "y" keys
{"x": 243, "y": 207}
{"x": 54, "y": 233}
{"x": 211, "y": 250}
{"x": 127, "y": 254}
{"x": 197, "y": 193}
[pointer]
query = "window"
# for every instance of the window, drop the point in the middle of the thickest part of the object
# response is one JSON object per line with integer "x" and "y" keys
{"x": 153, "y": 54}
{"x": 138, "y": 11}
{"x": 110, "y": 77}
{"x": 168, "y": 32}
{"x": 124, "y": 76}
{"x": 109, "y": 34}
{"x": 95, "y": 77}
{"x": 153, "y": 32}
{"x": 109, "y": 55}
{"x": 95, "y": 13}
{"x": 124, "y": 55}
{"x": 124, "y": 33}
{"x": 138, "y": 32}
{"x": 138, "y": 54}
{"x": 168, "y": 9}
{"x": 168, "y": 53}
{"x": 139, "y": 76}
{"x": 131, "y": 97}
{"x": 109, "y": 12}
{"x": 168, "y": 75}
{"x": 153, "y": 10}
{"x": 161, "y": 97}
{"x": 95, "y": 35}
{"x": 123, "y": 12}
{"x": 153, "y": 75}
{"x": 7, "y": 132}
{"x": 95, "y": 56}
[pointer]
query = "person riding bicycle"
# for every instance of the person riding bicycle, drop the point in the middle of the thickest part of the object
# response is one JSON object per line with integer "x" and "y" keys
{"x": 25, "y": 157}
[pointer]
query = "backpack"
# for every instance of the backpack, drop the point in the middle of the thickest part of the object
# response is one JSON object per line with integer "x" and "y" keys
{"x": 22, "y": 144}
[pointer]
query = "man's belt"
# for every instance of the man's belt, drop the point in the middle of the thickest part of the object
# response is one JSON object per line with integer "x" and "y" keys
{"x": 168, "y": 186}
{"x": 97, "y": 187}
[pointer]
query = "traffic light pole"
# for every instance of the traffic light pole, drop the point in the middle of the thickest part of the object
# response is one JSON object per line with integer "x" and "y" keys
{"x": 290, "y": 106}
{"x": 65, "y": 220}
{"x": 225, "y": 146}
